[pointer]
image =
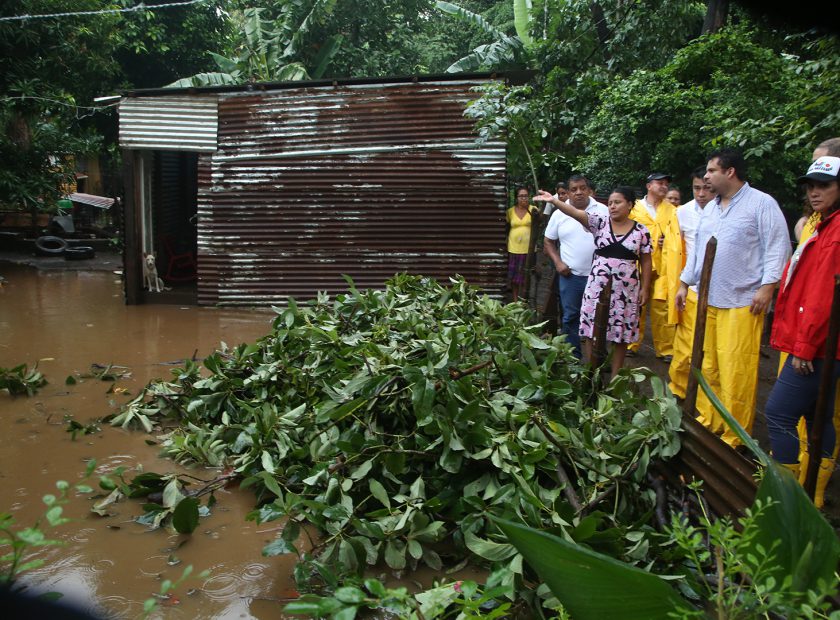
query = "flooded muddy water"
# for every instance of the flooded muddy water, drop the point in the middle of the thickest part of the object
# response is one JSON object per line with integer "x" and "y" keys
{"x": 67, "y": 321}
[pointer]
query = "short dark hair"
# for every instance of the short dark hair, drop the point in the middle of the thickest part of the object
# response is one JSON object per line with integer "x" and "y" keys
{"x": 625, "y": 190}
{"x": 579, "y": 177}
{"x": 561, "y": 185}
{"x": 519, "y": 188}
{"x": 698, "y": 173}
{"x": 730, "y": 158}
{"x": 831, "y": 146}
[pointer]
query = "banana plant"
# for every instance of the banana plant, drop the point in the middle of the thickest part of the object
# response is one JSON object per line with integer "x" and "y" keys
{"x": 270, "y": 50}
{"x": 504, "y": 50}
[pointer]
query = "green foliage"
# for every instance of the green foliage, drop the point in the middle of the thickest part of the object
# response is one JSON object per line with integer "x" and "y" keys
{"x": 269, "y": 51}
{"x": 805, "y": 546}
{"x": 460, "y": 599}
{"x": 725, "y": 89}
{"x": 167, "y": 590}
{"x": 590, "y": 585}
{"x": 167, "y": 499}
{"x": 395, "y": 421}
{"x": 730, "y": 571}
{"x": 24, "y": 543}
{"x": 504, "y": 51}
{"x": 21, "y": 380}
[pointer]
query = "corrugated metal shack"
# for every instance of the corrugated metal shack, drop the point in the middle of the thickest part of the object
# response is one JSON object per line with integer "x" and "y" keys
{"x": 257, "y": 193}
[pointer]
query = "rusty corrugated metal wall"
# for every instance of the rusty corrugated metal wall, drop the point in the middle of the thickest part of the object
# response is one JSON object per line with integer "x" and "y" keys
{"x": 308, "y": 184}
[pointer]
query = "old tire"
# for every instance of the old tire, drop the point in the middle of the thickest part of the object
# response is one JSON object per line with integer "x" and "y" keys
{"x": 79, "y": 253}
{"x": 49, "y": 245}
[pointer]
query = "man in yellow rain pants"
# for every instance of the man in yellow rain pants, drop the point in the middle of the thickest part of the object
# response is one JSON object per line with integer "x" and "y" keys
{"x": 688, "y": 216}
{"x": 752, "y": 248}
{"x": 830, "y": 147}
{"x": 660, "y": 218}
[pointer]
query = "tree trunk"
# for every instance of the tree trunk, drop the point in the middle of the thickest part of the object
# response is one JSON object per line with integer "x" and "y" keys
{"x": 601, "y": 28}
{"x": 716, "y": 12}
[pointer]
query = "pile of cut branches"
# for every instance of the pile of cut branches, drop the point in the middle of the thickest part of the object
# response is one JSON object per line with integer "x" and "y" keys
{"x": 396, "y": 421}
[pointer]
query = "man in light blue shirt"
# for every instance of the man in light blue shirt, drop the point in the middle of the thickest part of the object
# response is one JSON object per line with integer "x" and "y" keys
{"x": 752, "y": 249}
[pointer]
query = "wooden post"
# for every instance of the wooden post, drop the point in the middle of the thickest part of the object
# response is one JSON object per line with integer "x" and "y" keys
{"x": 825, "y": 406}
{"x": 599, "y": 329}
{"x": 690, "y": 403}
{"x": 549, "y": 310}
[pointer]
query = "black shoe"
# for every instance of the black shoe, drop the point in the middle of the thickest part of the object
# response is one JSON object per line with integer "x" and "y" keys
{"x": 631, "y": 353}
{"x": 667, "y": 358}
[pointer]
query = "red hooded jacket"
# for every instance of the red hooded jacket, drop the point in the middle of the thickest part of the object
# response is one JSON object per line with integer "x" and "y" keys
{"x": 800, "y": 326}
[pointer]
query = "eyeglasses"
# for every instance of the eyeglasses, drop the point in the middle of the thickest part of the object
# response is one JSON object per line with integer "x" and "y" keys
{"x": 523, "y": 196}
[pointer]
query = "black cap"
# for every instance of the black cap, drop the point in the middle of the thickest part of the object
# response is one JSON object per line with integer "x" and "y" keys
{"x": 656, "y": 176}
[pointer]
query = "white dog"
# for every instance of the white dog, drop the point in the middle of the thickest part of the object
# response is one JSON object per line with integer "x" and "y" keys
{"x": 150, "y": 274}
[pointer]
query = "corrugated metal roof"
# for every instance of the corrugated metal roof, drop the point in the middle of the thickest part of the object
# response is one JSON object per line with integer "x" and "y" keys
{"x": 101, "y": 202}
{"x": 365, "y": 180}
{"x": 179, "y": 123}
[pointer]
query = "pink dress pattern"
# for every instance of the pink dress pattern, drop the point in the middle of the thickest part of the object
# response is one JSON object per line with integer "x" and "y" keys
{"x": 623, "y": 323}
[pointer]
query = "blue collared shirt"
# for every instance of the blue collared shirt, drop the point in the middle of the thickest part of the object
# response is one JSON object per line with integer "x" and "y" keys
{"x": 752, "y": 247}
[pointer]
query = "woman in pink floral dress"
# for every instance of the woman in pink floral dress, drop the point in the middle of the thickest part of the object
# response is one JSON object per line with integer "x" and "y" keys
{"x": 622, "y": 251}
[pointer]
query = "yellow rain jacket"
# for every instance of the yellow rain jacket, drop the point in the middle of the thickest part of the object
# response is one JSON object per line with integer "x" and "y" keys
{"x": 668, "y": 261}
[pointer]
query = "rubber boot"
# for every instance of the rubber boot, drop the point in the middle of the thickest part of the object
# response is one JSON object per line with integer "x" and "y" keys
{"x": 823, "y": 476}
{"x": 793, "y": 468}
{"x": 803, "y": 466}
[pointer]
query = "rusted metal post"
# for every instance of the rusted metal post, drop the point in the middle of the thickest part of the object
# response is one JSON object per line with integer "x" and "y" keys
{"x": 690, "y": 402}
{"x": 529, "y": 261}
{"x": 599, "y": 329}
{"x": 824, "y": 404}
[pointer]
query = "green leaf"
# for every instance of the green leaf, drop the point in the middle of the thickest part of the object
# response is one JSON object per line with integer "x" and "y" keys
{"x": 487, "y": 549}
{"x": 395, "y": 554}
{"x": 522, "y": 20}
{"x": 379, "y": 492}
{"x": 185, "y": 516}
{"x": 592, "y": 586}
{"x": 278, "y": 546}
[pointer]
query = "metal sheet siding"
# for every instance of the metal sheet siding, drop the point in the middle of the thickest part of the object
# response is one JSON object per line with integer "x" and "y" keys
{"x": 312, "y": 183}
{"x": 176, "y": 123}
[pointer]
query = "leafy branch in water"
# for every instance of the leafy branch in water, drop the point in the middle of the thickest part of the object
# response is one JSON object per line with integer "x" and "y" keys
{"x": 24, "y": 542}
{"x": 21, "y": 380}
{"x": 396, "y": 421}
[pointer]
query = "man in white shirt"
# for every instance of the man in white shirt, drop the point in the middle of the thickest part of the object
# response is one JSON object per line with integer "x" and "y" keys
{"x": 688, "y": 216}
{"x": 573, "y": 262}
{"x": 753, "y": 245}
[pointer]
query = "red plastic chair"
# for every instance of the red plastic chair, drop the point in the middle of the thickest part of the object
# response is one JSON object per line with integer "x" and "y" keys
{"x": 182, "y": 266}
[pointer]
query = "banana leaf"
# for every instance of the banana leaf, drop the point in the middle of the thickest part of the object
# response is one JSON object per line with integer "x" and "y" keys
{"x": 522, "y": 20}
{"x": 805, "y": 545}
{"x": 592, "y": 586}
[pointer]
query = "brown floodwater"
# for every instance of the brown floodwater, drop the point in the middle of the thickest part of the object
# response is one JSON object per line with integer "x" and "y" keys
{"x": 67, "y": 321}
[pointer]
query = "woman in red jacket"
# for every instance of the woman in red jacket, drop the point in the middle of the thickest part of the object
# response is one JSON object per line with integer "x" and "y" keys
{"x": 800, "y": 327}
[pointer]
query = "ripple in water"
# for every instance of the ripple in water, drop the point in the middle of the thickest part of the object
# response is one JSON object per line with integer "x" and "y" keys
{"x": 235, "y": 581}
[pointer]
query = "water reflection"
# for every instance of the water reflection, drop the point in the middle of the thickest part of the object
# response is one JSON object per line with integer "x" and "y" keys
{"x": 70, "y": 320}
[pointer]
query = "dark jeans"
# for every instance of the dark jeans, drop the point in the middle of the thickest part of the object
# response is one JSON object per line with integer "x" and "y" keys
{"x": 794, "y": 396}
{"x": 571, "y": 295}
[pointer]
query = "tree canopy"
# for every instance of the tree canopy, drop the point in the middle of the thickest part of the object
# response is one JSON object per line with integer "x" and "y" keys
{"x": 618, "y": 87}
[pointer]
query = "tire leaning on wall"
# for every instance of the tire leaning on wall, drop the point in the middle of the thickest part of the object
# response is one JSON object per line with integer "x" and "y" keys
{"x": 49, "y": 245}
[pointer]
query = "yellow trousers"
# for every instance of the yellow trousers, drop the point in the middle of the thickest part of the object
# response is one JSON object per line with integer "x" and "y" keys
{"x": 663, "y": 334}
{"x": 730, "y": 365}
{"x": 683, "y": 343}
